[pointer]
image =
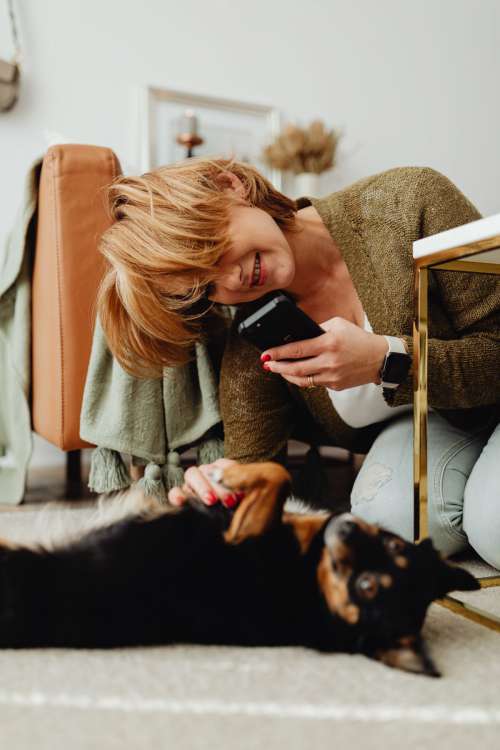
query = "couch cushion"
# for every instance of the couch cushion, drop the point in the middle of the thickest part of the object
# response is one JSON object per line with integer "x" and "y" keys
{"x": 67, "y": 269}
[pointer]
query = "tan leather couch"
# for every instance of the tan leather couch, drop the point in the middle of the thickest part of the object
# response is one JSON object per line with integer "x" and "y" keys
{"x": 67, "y": 269}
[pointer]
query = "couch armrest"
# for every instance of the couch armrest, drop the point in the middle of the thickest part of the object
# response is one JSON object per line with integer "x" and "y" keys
{"x": 66, "y": 274}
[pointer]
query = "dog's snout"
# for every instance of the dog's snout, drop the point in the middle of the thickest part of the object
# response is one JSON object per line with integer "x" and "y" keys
{"x": 346, "y": 528}
{"x": 341, "y": 528}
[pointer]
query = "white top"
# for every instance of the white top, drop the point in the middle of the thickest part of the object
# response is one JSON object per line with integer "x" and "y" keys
{"x": 363, "y": 404}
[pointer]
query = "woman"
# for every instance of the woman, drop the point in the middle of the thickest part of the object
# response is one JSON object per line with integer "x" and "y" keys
{"x": 218, "y": 231}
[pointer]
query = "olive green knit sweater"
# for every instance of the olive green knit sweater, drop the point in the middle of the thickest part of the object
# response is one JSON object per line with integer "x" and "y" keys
{"x": 374, "y": 222}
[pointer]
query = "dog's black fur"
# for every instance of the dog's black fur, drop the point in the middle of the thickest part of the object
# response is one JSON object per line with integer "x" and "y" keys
{"x": 169, "y": 579}
{"x": 174, "y": 578}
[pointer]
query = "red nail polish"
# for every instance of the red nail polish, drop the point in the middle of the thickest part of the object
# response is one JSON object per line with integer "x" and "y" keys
{"x": 265, "y": 357}
{"x": 211, "y": 497}
{"x": 239, "y": 496}
{"x": 230, "y": 501}
{"x": 266, "y": 367}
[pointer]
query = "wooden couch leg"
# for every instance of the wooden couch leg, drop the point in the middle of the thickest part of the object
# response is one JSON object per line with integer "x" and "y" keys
{"x": 73, "y": 474}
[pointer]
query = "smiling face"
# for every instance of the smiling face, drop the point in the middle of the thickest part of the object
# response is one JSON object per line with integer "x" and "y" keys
{"x": 259, "y": 261}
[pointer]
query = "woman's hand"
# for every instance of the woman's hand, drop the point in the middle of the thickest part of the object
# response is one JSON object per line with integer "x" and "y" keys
{"x": 197, "y": 482}
{"x": 343, "y": 357}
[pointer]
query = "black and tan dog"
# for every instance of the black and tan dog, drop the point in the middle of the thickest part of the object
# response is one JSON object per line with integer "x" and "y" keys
{"x": 254, "y": 576}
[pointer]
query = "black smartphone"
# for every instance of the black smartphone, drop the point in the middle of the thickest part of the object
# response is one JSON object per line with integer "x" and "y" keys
{"x": 278, "y": 321}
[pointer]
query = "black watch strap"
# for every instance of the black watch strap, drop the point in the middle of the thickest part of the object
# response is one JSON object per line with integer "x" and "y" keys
{"x": 395, "y": 369}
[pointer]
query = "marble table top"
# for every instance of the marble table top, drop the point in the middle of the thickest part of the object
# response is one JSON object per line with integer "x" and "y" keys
{"x": 474, "y": 231}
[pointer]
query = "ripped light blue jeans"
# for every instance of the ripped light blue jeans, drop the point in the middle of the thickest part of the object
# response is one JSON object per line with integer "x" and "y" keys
{"x": 463, "y": 485}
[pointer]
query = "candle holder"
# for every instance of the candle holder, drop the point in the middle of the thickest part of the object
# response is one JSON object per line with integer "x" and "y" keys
{"x": 189, "y": 141}
{"x": 173, "y": 122}
{"x": 188, "y": 136}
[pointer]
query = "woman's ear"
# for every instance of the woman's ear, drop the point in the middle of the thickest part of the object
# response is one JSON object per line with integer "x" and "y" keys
{"x": 230, "y": 181}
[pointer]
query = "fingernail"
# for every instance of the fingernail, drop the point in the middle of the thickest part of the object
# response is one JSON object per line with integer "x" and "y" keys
{"x": 230, "y": 501}
{"x": 210, "y": 497}
{"x": 239, "y": 496}
{"x": 266, "y": 367}
{"x": 265, "y": 357}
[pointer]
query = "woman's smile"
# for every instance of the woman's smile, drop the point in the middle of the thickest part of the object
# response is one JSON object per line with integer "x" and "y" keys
{"x": 259, "y": 273}
{"x": 245, "y": 272}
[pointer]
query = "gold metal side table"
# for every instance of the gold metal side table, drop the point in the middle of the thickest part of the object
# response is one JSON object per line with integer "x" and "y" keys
{"x": 472, "y": 248}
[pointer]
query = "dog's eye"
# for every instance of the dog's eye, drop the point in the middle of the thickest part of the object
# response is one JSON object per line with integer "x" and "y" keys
{"x": 367, "y": 585}
{"x": 394, "y": 545}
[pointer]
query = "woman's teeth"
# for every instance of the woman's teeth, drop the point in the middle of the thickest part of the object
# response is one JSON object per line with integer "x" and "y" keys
{"x": 256, "y": 272}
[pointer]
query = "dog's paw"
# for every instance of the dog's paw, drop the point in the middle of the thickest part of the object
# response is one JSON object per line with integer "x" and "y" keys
{"x": 264, "y": 486}
{"x": 245, "y": 477}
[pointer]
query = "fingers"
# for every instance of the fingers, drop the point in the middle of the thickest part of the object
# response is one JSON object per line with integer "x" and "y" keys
{"x": 301, "y": 369}
{"x": 304, "y": 382}
{"x": 176, "y": 496}
{"x": 296, "y": 349}
{"x": 198, "y": 481}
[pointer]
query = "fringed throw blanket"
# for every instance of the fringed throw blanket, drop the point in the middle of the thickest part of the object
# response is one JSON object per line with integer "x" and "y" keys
{"x": 152, "y": 420}
{"x": 16, "y": 259}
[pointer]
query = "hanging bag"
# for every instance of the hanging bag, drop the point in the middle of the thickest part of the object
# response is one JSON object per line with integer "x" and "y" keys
{"x": 10, "y": 71}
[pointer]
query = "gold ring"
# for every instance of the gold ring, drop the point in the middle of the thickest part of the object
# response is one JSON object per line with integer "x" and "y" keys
{"x": 310, "y": 382}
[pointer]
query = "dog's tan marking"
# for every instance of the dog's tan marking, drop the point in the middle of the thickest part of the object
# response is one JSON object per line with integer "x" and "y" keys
{"x": 305, "y": 527}
{"x": 342, "y": 555}
{"x": 266, "y": 486}
{"x": 407, "y": 641}
{"x": 335, "y": 591}
{"x": 406, "y": 655}
{"x": 368, "y": 528}
{"x": 401, "y": 561}
{"x": 386, "y": 580}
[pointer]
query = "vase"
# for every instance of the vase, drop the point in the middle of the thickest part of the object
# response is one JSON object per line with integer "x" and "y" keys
{"x": 306, "y": 183}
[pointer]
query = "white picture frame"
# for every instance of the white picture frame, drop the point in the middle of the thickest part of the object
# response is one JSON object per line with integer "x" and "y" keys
{"x": 228, "y": 127}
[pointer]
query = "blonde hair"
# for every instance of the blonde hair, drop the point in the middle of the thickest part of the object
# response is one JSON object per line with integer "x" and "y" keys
{"x": 170, "y": 229}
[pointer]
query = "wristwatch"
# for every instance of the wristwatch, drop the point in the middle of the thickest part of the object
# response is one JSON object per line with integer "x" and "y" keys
{"x": 396, "y": 364}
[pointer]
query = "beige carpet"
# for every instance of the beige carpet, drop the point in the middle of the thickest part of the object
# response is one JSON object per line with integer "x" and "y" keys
{"x": 197, "y": 697}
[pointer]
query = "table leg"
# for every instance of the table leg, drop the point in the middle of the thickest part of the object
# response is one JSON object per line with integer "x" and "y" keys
{"x": 420, "y": 331}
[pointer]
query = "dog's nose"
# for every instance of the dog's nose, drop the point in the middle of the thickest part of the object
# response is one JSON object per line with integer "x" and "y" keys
{"x": 346, "y": 528}
{"x": 340, "y": 528}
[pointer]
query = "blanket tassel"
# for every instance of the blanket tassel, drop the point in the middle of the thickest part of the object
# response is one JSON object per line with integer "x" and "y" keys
{"x": 152, "y": 482}
{"x": 108, "y": 472}
{"x": 173, "y": 473}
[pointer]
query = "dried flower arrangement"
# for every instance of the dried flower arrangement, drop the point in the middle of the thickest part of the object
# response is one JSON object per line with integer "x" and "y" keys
{"x": 298, "y": 150}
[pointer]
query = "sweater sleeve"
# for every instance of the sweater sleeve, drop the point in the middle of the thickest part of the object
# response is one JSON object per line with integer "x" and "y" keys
{"x": 463, "y": 372}
{"x": 256, "y": 407}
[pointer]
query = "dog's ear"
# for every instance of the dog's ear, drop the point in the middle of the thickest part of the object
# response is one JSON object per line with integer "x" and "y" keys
{"x": 409, "y": 654}
{"x": 446, "y": 576}
{"x": 453, "y": 578}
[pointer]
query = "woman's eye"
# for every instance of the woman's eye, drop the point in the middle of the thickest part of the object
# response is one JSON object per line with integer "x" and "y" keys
{"x": 209, "y": 289}
{"x": 367, "y": 585}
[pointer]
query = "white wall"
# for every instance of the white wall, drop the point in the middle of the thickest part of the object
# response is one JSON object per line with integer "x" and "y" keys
{"x": 408, "y": 82}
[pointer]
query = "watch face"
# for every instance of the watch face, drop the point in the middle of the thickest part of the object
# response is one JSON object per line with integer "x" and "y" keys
{"x": 396, "y": 367}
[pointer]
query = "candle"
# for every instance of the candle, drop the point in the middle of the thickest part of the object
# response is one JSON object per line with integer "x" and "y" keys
{"x": 189, "y": 123}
